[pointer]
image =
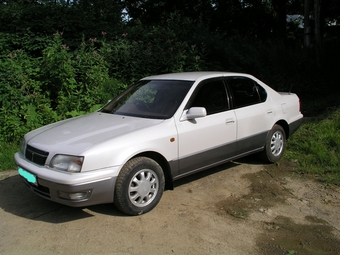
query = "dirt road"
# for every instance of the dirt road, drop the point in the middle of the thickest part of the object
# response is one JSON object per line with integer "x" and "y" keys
{"x": 238, "y": 208}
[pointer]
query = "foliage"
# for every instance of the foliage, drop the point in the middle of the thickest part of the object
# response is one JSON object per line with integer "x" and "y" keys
{"x": 7, "y": 151}
{"x": 74, "y": 79}
{"x": 30, "y": 23}
{"x": 23, "y": 104}
{"x": 143, "y": 51}
{"x": 316, "y": 147}
{"x": 61, "y": 84}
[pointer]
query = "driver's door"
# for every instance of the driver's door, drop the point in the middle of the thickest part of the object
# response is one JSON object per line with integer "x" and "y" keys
{"x": 209, "y": 140}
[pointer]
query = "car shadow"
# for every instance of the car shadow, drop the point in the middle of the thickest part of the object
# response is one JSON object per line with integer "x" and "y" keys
{"x": 17, "y": 199}
{"x": 252, "y": 159}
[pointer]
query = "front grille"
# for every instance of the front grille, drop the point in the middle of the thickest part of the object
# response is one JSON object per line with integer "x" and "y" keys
{"x": 36, "y": 156}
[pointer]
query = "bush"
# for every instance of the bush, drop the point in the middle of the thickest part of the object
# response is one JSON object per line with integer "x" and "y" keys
{"x": 23, "y": 104}
{"x": 59, "y": 85}
{"x": 74, "y": 80}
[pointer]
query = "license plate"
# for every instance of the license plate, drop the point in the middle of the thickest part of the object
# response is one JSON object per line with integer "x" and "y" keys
{"x": 28, "y": 176}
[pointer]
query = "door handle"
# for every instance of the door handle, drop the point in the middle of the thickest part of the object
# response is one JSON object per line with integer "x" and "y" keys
{"x": 230, "y": 121}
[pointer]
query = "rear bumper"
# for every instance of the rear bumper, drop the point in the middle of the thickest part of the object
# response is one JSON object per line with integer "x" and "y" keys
{"x": 65, "y": 188}
{"x": 293, "y": 126}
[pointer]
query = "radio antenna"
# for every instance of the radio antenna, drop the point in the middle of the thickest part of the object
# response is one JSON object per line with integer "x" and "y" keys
{"x": 291, "y": 87}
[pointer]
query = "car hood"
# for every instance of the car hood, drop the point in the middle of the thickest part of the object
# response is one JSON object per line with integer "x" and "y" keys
{"x": 75, "y": 135}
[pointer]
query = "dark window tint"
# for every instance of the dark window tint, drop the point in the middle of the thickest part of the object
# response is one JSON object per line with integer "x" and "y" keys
{"x": 246, "y": 92}
{"x": 262, "y": 92}
{"x": 211, "y": 95}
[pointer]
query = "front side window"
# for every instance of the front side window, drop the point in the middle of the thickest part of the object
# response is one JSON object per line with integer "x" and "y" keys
{"x": 211, "y": 95}
{"x": 245, "y": 92}
{"x": 156, "y": 99}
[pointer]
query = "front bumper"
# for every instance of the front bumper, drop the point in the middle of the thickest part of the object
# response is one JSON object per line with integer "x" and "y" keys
{"x": 57, "y": 185}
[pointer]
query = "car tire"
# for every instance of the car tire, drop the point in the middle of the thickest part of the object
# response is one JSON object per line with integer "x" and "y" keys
{"x": 139, "y": 186}
{"x": 275, "y": 144}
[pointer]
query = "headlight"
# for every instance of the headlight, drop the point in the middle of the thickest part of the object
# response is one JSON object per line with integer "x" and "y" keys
{"x": 67, "y": 163}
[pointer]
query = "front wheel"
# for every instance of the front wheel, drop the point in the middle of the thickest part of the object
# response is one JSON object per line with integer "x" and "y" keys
{"x": 275, "y": 144}
{"x": 139, "y": 186}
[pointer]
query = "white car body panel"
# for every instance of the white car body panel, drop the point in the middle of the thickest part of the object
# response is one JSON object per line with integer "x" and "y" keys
{"x": 204, "y": 134}
{"x": 118, "y": 151}
{"x": 254, "y": 119}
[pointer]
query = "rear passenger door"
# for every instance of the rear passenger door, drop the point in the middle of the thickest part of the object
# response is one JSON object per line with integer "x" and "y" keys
{"x": 254, "y": 113}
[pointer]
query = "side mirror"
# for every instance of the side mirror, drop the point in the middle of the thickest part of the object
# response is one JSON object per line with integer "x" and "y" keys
{"x": 193, "y": 113}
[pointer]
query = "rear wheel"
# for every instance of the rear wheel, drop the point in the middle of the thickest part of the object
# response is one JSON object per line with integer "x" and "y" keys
{"x": 275, "y": 144}
{"x": 139, "y": 186}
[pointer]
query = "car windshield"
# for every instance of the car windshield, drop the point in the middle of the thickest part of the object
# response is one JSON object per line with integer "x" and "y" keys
{"x": 155, "y": 99}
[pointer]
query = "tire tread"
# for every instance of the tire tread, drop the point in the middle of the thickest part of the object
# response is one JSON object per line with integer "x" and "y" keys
{"x": 119, "y": 196}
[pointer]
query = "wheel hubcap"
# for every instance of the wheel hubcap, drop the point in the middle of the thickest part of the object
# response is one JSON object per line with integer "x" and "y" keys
{"x": 276, "y": 143}
{"x": 143, "y": 187}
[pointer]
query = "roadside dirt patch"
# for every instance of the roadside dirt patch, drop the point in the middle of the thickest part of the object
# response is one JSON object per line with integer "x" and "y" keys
{"x": 298, "y": 216}
{"x": 242, "y": 207}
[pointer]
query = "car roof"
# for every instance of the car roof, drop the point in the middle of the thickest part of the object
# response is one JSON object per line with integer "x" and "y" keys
{"x": 192, "y": 76}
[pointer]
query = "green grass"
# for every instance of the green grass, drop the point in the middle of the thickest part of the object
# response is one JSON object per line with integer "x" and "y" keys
{"x": 7, "y": 151}
{"x": 316, "y": 147}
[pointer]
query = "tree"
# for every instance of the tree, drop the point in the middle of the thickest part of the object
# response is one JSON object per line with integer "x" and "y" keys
{"x": 30, "y": 23}
{"x": 151, "y": 12}
{"x": 280, "y": 14}
{"x": 306, "y": 21}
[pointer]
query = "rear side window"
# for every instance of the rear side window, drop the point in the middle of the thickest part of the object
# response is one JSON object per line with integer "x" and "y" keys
{"x": 246, "y": 92}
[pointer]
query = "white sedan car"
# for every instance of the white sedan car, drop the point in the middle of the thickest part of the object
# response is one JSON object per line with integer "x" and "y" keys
{"x": 159, "y": 130}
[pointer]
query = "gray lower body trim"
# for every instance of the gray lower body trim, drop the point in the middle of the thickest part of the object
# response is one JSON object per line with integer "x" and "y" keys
{"x": 206, "y": 158}
{"x": 251, "y": 143}
{"x": 101, "y": 191}
{"x": 220, "y": 155}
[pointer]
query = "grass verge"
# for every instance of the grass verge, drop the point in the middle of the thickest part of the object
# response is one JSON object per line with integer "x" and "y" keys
{"x": 316, "y": 147}
{"x": 7, "y": 151}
